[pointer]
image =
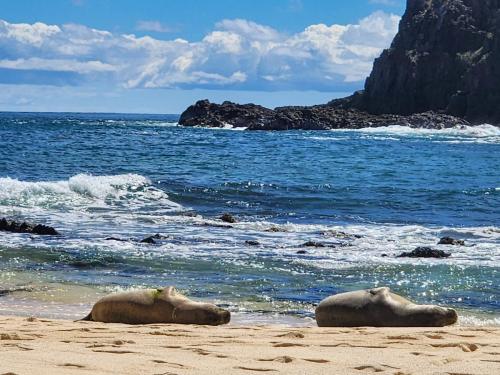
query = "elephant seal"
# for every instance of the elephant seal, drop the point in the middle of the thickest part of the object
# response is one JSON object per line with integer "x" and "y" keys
{"x": 379, "y": 308}
{"x": 149, "y": 306}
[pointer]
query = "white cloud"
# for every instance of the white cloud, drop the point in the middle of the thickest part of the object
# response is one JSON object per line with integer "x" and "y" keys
{"x": 155, "y": 26}
{"x": 237, "y": 53}
{"x": 35, "y": 63}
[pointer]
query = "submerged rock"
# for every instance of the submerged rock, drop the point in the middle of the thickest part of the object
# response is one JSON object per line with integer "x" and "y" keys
{"x": 228, "y": 218}
{"x": 301, "y": 252}
{"x": 152, "y": 240}
{"x": 18, "y": 227}
{"x": 451, "y": 241}
{"x": 313, "y": 244}
{"x": 340, "y": 234}
{"x": 227, "y": 226}
{"x": 275, "y": 230}
{"x": 252, "y": 243}
{"x": 424, "y": 252}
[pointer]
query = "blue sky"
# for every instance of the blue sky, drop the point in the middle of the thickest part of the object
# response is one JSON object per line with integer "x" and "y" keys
{"x": 160, "y": 56}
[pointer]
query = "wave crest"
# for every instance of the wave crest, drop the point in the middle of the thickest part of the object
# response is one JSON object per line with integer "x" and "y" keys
{"x": 81, "y": 190}
{"x": 485, "y": 133}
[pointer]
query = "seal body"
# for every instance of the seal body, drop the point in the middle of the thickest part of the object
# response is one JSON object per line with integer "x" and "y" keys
{"x": 380, "y": 308}
{"x": 149, "y": 306}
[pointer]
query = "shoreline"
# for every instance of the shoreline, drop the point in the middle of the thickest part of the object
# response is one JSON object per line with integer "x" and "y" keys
{"x": 66, "y": 347}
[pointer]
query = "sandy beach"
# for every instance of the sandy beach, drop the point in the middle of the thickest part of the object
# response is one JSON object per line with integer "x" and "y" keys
{"x": 42, "y": 346}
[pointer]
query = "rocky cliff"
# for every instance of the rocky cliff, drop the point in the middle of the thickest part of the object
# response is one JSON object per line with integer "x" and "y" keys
{"x": 319, "y": 117}
{"x": 445, "y": 57}
{"x": 442, "y": 69}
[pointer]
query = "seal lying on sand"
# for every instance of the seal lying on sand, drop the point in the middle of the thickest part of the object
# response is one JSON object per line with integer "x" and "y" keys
{"x": 156, "y": 306}
{"x": 379, "y": 308}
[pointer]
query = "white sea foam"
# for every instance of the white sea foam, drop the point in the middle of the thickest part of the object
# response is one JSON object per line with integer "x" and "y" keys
{"x": 85, "y": 198}
{"x": 459, "y": 134}
{"x": 478, "y": 320}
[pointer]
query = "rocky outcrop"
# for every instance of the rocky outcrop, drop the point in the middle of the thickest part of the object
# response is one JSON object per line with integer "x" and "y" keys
{"x": 23, "y": 227}
{"x": 320, "y": 117}
{"x": 424, "y": 252}
{"x": 440, "y": 71}
{"x": 451, "y": 241}
{"x": 444, "y": 58}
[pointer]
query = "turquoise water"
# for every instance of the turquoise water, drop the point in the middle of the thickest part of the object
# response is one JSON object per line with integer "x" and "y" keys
{"x": 366, "y": 195}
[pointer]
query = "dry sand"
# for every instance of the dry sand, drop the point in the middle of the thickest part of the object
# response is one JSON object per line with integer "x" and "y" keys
{"x": 41, "y": 346}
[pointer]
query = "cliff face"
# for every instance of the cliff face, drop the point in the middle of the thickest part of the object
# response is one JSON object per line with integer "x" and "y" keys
{"x": 442, "y": 69}
{"x": 445, "y": 57}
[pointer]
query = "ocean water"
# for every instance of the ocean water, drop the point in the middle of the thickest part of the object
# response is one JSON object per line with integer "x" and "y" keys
{"x": 366, "y": 195}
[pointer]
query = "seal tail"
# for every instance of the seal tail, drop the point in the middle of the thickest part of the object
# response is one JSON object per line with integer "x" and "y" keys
{"x": 88, "y": 318}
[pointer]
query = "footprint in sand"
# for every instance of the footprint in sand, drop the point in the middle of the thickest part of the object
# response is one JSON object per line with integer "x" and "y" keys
{"x": 72, "y": 365}
{"x": 464, "y": 346}
{"x": 11, "y": 336}
{"x": 18, "y": 346}
{"x": 422, "y": 354}
{"x": 292, "y": 335}
{"x": 402, "y": 337}
{"x": 171, "y": 364}
{"x": 159, "y": 333}
{"x": 445, "y": 361}
{"x": 281, "y": 359}
{"x": 115, "y": 351}
{"x": 369, "y": 368}
{"x": 316, "y": 360}
{"x": 286, "y": 344}
{"x": 255, "y": 369}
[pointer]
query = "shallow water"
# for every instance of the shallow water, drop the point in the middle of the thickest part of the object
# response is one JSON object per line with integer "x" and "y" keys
{"x": 363, "y": 194}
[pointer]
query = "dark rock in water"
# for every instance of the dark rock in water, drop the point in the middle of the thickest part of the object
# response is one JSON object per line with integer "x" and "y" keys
{"x": 319, "y": 117}
{"x": 313, "y": 244}
{"x": 451, "y": 241}
{"x": 150, "y": 240}
{"x": 204, "y": 113}
{"x": 275, "y": 230}
{"x": 4, "y": 292}
{"x": 252, "y": 243}
{"x": 228, "y": 218}
{"x": 340, "y": 234}
{"x": 301, "y": 252}
{"x": 384, "y": 255}
{"x": 153, "y": 239}
{"x": 425, "y": 252}
{"x": 218, "y": 225}
{"x": 17, "y": 227}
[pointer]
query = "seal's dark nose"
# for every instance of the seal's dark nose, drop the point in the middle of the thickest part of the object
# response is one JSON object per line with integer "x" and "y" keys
{"x": 225, "y": 317}
{"x": 451, "y": 316}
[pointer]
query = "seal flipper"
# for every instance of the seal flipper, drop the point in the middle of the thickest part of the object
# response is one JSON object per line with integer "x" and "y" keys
{"x": 88, "y": 318}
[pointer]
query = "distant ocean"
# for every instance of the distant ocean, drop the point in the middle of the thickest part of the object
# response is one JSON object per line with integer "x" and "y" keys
{"x": 360, "y": 194}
